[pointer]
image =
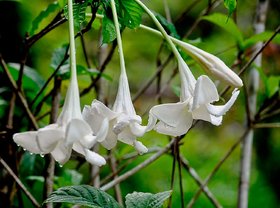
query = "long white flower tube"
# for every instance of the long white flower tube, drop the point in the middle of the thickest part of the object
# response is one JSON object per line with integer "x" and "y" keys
{"x": 124, "y": 124}
{"x": 70, "y": 131}
{"x": 196, "y": 96}
{"x": 210, "y": 63}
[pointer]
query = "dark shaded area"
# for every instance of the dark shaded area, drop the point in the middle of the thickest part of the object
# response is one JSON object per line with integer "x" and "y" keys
{"x": 10, "y": 49}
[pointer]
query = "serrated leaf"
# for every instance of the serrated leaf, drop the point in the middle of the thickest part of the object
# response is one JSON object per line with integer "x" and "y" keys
{"x": 264, "y": 36}
{"x": 227, "y": 24}
{"x": 168, "y": 25}
{"x": 230, "y": 5}
{"x": 43, "y": 14}
{"x": 83, "y": 195}
{"x": 79, "y": 12}
{"x": 131, "y": 13}
{"x": 146, "y": 200}
{"x": 108, "y": 30}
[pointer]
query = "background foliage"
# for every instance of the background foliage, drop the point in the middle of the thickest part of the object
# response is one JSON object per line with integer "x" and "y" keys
{"x": 227, "y": 33}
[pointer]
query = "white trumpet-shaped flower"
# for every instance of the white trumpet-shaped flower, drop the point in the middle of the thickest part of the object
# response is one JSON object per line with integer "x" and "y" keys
{"x": 211, "y": 64}
{"x": 124, "y": 124}
{"x": 196, "y": 96}
{"x": 70, "y": 131}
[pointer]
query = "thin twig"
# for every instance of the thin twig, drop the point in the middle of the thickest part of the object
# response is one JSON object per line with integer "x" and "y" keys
{"x": 101, "y": 70}
{"x": 180, "y": 175}
{"x": 253, "y": 87}
{"x": 216, "y": 168}
{"x": 199, "y": 182}
{"x": 203, "y": 13}
{"x": 117, "y": 187}
{"x": 139, "y": 167}
{"x": 174, "y": 149}
{"x": 19, "y": 94}
{"x": 248, "y": 64}
{"x": 266, "y": 125}
{"x": 18, "y": 181}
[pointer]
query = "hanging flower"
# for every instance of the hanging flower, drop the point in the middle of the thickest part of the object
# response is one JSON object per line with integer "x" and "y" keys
{"x": 211, "y": 64}
{"x": 124, "y": 124}
{"x": 70, "y": 131}
{"x": 196, "y": 96}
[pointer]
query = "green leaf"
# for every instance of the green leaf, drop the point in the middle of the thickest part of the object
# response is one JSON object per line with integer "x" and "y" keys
{"x": 230, "y": 5}
{"x": 31, "y": 165}
{"x": 130, "y": 13}
{"x": 83, "y": 195}
{"x": 273, "y": 85}
{"x": 79, "y": 12}
{"x": 32, "y": 81}
{"x": 168, "y": 25}
{"x": 58, "y": 56}
{"x": 43, "y": 14}
{"x": 264, "y": 36}
{"x": 62, "y": 3}
{"x": 146, "y": 200}
{"x": 69, "y": 177}
{"x": 227, "y": 24}
{"x": 108, "y": 30}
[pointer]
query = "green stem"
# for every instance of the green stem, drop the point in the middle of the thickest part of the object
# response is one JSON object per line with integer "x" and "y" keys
{"x": 157, "y": 23}
{"x": 72, "y": 42}
{"x": 119, "y": 39}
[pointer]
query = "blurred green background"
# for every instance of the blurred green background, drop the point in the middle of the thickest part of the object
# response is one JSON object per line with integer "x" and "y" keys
{"x": 203, "y": 146}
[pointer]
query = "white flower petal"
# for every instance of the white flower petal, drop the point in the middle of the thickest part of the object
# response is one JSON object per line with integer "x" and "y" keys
{"x": 71, "y": 108}
{"x": 94, "y": 158}
{"x": 123, "y": 103}
{"x": 141, "y": 149}
{"x": 90, "y": 156}
{"x": 28, "y": 140}
{"x": 187, "y": 80}
{"x": 211, "y": 64}
{"x": 79, "y": 130}
{"x": 111, "y": 139}
{"x": 126, "y": 136}
{"x": 61, "y": 153}
{"x": 120, "y": 126}
{"x": 202, "y": 113}
{"x": 205, "y": 92}
{"x": 151, "y": 122}
{"x": 95, "y": 114}
{"x": 219, "y": 110}
{"x": 78, "y": 148}
{"x": 175, "y": 120}
{"x": 48, "y": 138}
{"x": 137, "y": 129}
{"x": 103, "y": 131}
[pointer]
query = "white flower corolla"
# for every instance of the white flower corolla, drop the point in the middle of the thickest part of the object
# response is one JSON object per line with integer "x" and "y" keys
{"x": 124, "y": 125}
{"x": 211, "y": 64}
{"x": 69, "y": 132}
{"x": 196, "y": 96}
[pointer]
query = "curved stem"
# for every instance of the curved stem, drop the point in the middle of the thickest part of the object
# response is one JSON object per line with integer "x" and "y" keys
{"x": 119, "y": 39}
{"x": 157, "y": 23}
